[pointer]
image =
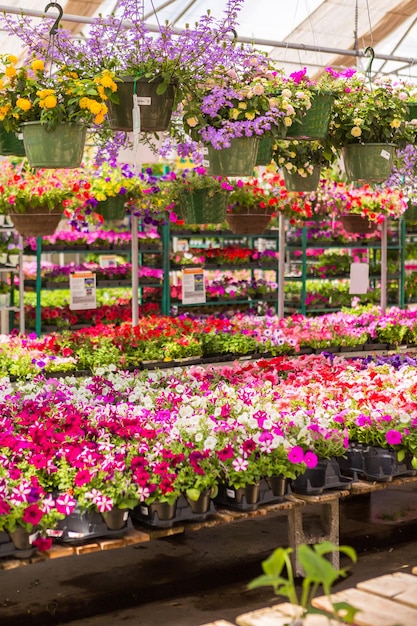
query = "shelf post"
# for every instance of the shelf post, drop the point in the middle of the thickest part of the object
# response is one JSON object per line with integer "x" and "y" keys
{"x": 402, "y": 262}
{"x": 166, "y": 283}
{"x": 38, "y": 314}
{"x": 22, "y": 328}
{"x": 135, "y": 270}
{"x": 384, "y": 239}
{"x": 281, "y": 265}
{"x": 304, "y": 270}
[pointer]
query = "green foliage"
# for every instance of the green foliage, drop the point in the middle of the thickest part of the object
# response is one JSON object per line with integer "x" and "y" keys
{"x": 318, "y": 572}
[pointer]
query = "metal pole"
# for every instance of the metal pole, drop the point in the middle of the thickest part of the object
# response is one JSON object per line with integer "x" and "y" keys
{"x": 304, "y": 270}
{"x": 402, "y": 262}
{"x": 38, "y": 319}
{"x": 166, "y": 260}
{"x": 281, "y": 265}
{"x": 135, "y": 271}
{"x": 21, "y": 289}
{"x": 4, "y": 8}
{"x": 384, "y": 239}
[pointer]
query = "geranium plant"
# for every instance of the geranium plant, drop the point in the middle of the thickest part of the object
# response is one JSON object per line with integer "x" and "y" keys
{"x": 22, "y": 188}
{"x": 32, "y": 93}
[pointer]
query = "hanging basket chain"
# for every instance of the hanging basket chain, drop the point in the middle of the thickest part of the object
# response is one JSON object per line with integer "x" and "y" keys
{"x": 53, "y": 31}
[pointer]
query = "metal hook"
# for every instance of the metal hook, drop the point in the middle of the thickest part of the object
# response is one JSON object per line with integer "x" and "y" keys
{"x": 369, "y": 52}
{"x": 55, "y": 5}
{"x": 234, "y": 33}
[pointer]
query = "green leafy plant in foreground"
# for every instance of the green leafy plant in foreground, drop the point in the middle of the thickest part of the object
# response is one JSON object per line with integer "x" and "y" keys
{"x": 318, "y": 572}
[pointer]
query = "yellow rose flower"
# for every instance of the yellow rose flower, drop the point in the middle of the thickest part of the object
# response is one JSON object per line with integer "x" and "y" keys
{"x": 234, "y": 114}
{"x": 356, "y": 131}
{"x": 37, "y": 65}
{"x": 242, "y": 105}
{"x": 250, "y": 116}
{"x": 287, "y": 121}
{"x": 395, "y": 123}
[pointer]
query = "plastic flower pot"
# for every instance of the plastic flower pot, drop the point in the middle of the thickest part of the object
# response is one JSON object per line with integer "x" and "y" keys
{"x": 10, "y": 144}
{"x": 314, "y": 125}
{"x": 37, "y": 221}
{"x": 60, "y": 148}
{"x": 197, "y": 207}
{"x": 265, "y": 151}
{"x": 357, "y": 224}
{"x": 238, "y": 160}
{"x": 295, "y": 182}
{"x": 113, "y": 208}
{"x": 155, "y": 109}
{"x": 368, "y": 162}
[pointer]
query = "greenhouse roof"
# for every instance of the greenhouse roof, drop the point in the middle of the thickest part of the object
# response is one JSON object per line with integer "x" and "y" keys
{"x": 311, "y": 33}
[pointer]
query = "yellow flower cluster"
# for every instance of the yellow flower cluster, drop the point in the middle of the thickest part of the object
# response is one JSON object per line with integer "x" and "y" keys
{"x": 98, "y": 109}
{"x": 47, "y": 98}
{"x": 30, "y": 94}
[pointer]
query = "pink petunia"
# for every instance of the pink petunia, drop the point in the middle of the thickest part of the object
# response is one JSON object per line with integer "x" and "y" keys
{"x": 296, "y": 454}
{"x": 393, "y": 437}
{"x": 311, "y": 459}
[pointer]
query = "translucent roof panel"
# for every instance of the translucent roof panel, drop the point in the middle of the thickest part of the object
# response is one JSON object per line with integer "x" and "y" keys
{"x": 297, "y": 33}
{"x": 258, "y": 19}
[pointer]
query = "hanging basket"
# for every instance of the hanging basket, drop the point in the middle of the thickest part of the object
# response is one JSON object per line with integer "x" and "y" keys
{"x": 368, "y": 162}
{"x": 238, "y": 160}
{"x": 412, "y": 111}
{"x": 411, "y": 213}
{"x": 10, "y": 144}
{"x": 59, "y": 148}
{"x": 295, "y": 182}
{"x": 265, "y": 151}
{"x": 113, "y": 208}
{"x": 248, "y": 223}
{"x": 197, "y": 207}
{"x": 314, "y": 125}
{"x": 37, "y": 222}
{"x": 155, "y": 109}
{"x": 358, "y": 225}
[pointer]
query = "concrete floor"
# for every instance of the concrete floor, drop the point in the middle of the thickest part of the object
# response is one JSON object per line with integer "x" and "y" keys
{"x": 195, "y": 578}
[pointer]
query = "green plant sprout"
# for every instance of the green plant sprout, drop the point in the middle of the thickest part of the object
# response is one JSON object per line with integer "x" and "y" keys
{"x": 318, "y": 572}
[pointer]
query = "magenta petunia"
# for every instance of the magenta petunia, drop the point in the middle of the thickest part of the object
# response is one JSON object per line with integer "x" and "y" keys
{"x": 393, "y": 437}
{"x": 296, "y": 454}
{"x": 311, "y": 459}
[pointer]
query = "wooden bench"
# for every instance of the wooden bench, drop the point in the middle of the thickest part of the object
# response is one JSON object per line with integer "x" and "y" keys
{"x": 311, "y": 519}
{"x": 389, "y": 600}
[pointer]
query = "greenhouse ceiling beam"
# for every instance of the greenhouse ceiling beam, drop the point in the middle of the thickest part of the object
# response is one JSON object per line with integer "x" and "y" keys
{"x": 259, "y": 42}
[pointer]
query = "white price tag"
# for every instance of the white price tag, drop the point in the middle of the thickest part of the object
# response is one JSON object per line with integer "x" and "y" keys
{"x": 205, "y": 150}
{"x": 206, "y": 163}
{"x": 144, "y": 510}
{"x": 144, "y": 101}
{"x": 136, "y": 114}
{"x": 359, "y": 278}
{"x": 230, "y": 493}
{"x": 385, "y": 155}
